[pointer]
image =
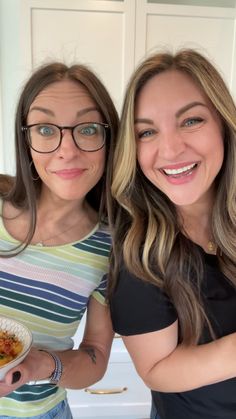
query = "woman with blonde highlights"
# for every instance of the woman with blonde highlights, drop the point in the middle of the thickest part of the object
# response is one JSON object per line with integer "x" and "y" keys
{"x": 173, "y": 268}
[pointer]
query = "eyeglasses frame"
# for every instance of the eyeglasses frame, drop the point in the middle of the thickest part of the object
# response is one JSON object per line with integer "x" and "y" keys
{"x": 25, "y": 128}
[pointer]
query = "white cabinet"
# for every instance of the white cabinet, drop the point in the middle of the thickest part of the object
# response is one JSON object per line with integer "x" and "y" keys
{"x": 98, "y": 33}
{"x": 111, "y": 36}
{"x": 208, "y": 26}
{"x": 120, "y": 394}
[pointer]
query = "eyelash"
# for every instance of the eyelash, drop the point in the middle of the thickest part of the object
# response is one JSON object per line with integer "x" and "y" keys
{"x": 197, "y": 120}
{"x": 149, "y": 133}
{"x": 143, "y": 133}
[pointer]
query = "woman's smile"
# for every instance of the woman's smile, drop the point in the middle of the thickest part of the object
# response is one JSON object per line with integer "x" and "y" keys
{"x": 69, "y": 173}
{"x": 179, "y": 137}
{"x": 67, "y": 103}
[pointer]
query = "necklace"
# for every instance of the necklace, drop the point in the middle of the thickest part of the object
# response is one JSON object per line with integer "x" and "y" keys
{"x": 43, "y": 242}
{"x": 211, "y": 246}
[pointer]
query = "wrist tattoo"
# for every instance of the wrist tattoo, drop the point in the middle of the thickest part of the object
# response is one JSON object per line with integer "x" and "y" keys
{"x": 91, "y": 353}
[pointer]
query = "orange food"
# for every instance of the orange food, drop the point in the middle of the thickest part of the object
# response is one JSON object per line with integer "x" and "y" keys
{"x": 10, "y": 347}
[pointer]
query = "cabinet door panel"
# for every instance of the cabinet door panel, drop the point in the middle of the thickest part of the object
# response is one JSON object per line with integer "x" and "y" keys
{"x": 190, "y": 32}
{"x": 210, "y": 30}
{"x": 97, "y": 33}
{"x": 87, "y": 37}
{"x": 120, "y": 392}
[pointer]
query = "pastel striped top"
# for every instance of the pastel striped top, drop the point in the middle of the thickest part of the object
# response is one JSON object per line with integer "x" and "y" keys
{"x": 47, "y": 288}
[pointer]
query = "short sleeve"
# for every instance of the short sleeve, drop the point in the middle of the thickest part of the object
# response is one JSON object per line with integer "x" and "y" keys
{"x": 139, "y": 307}
{"x": 99, "y": 293}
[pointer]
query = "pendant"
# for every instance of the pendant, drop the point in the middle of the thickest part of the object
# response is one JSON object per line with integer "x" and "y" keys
{"x": 211, "y": 246}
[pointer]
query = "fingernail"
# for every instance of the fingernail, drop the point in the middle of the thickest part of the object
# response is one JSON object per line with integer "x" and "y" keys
{"x": 16, "y": 377}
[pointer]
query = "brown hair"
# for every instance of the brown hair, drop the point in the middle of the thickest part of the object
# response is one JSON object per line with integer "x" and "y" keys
{"x": 24, "y": 191}
{"x": 147, "y": 231}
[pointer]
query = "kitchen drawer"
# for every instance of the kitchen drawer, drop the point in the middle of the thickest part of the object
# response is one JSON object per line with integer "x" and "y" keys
{"x": 124, "y": 395}
{"x": 121, "y": 393}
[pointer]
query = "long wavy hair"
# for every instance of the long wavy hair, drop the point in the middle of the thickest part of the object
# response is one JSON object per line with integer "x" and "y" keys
{"x": 147, "y": 232}
{"x": 23, "y": 190}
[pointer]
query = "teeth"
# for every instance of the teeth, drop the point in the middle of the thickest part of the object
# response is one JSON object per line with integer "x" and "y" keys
{"x": 177, "y": 171}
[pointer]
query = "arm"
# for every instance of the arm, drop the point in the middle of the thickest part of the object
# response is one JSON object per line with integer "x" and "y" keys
{"x": 81, "y": 367}
{"x": 168, "y": 369}
{"x": 88, "y": 364}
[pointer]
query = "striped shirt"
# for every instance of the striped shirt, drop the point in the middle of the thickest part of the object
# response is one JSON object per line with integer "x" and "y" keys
{"x": 47, "y": 289}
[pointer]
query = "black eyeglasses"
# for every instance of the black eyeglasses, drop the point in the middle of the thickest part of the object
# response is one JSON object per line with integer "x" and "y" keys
{"x": 46, "y": 138}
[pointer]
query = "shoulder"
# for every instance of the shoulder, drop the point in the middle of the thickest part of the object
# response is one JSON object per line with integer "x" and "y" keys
{"x": 139, "y": 307}
{"x": 97, "y": 242}
{"x": 130, "y": 285}
{"x": 104, "y": 229}
{"x": 102, "y": 235}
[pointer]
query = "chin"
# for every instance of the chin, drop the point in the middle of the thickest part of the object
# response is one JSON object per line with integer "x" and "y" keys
{"x": 183, "y": 201}
{"x": 68, "y": 197}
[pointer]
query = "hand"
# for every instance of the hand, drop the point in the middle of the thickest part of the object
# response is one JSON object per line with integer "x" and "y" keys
{"x": 36, "y": 366}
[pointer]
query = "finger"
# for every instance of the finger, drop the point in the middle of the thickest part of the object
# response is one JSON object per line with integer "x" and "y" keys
{"x": 12, "y": 377}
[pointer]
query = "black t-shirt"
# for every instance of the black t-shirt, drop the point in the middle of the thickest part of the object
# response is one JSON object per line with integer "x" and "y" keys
{"x": 138, "y": 307}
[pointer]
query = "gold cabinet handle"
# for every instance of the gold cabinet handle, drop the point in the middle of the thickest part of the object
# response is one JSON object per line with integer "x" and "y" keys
{"x": 106, "y": 391}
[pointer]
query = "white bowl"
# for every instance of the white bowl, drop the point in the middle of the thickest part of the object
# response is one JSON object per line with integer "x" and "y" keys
{"x": 23, "y": 334}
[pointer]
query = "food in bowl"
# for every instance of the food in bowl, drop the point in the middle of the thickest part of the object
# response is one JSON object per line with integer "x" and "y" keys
{"x": 19, "y": 334}
{"x": 10, "y": 347}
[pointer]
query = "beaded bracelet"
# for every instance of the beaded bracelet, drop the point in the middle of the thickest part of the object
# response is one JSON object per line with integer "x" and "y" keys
{"x": 57, "y": 373}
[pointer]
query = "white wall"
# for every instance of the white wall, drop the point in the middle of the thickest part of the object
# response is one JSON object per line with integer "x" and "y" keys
{"x": 11, "y": 76}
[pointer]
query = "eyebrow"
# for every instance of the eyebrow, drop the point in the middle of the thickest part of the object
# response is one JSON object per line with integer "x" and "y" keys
{"x": 178, "y": 113}
{"x": 189, "y": 106}
{"x": 51, "y": 113}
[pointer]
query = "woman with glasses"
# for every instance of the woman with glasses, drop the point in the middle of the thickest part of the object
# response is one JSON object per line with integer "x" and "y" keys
{"x": 173, "y": 271}
{"x": 54, "y": 241}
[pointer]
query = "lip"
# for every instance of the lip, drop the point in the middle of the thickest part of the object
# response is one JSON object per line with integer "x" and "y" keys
{"x": 178, "y": 165}
{"x": 180, "y": 178}
{"x": 69, "y": 173}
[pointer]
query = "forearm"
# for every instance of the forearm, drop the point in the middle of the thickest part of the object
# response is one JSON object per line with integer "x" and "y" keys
{"x": 87, "y": 365}
{"x": 82, "y": 367}
{"x": 189, "y": 367}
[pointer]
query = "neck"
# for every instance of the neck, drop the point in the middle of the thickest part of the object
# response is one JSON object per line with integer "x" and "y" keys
{"x": 57, "y": 208}
{"x": 63, "y": 222}
{"x": 196, "y": 224}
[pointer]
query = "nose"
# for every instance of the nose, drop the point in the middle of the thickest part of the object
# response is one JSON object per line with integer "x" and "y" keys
{"x": 171, "y": 145}
{"x": 68, "y": 147}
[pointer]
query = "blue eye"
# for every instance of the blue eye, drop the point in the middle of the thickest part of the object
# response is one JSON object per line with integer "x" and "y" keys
{"x": 88, "y": 130}
{"x": 46, "y": 130}
{"x": 192, "y": 121}
{"x": 146, "y": 134}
